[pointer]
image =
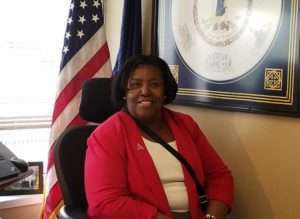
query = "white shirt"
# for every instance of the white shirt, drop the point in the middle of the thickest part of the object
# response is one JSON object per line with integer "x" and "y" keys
{"x": 171, "y": 175}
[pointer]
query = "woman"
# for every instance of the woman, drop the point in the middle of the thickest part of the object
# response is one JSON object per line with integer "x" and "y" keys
{"x": 129, "y": 176}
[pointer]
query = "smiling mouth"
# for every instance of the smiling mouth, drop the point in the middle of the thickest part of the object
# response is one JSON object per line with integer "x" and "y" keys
{"x": 145, "y": 102}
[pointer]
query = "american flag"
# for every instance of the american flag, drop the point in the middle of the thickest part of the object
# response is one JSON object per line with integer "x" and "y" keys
{"x": 85, "y": 55}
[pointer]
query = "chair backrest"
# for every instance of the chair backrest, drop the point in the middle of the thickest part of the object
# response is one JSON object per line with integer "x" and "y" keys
{"x": 96, "y": 104}
{"x": 70, "y": 147}
{"x": 69, "y": 162}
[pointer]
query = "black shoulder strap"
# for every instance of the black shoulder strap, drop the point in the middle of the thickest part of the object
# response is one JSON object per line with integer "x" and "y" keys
{"x": 157, "y": 138}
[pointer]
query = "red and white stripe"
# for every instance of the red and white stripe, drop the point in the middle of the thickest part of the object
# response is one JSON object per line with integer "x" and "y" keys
{"x": 92, "y": 60}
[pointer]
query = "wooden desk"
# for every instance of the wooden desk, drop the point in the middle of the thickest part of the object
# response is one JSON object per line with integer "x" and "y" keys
{"x": 7, "y": 182}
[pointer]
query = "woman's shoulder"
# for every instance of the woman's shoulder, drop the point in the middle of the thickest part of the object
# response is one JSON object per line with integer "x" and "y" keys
{"x": 109, "y": 135}
{"x": 113, "y": 123}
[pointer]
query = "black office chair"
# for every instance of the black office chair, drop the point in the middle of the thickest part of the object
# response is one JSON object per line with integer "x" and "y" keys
{"x": 70, "y": 148}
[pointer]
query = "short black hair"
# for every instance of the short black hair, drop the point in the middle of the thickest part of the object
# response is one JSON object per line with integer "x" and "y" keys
{"x": 119, "y": 85}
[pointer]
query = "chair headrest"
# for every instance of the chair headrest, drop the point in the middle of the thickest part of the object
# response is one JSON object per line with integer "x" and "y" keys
{"x": 96, "y": 104}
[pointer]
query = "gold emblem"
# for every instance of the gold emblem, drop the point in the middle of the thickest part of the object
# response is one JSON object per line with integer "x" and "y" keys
{"x": 273, "y": 79}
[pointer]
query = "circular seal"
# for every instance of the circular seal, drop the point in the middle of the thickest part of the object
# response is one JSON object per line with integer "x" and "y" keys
{"x": 222, "y": 24}
{"x": 223, "y": 40}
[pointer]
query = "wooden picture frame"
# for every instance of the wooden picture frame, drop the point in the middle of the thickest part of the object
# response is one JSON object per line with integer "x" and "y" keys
{"x": 32, "y": 184}
{"x": 230, "y": 54}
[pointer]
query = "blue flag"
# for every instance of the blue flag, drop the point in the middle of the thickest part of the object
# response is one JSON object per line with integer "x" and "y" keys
{"x": 131, "y": 35}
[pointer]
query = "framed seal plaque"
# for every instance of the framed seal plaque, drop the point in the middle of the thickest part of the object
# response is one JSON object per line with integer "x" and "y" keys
{"x": 240, "y": 55}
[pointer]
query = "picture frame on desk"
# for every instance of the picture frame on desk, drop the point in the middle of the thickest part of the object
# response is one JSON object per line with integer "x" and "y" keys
{"x": 32, "y": 184}
{"x": 235, "y": 55}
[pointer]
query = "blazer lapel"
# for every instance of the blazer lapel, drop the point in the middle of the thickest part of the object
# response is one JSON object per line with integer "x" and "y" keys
{"x": 185, "y": 144}
{"x": 144, "y": 162}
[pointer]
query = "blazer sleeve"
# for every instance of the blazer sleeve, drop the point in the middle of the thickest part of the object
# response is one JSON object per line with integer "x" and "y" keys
{"x": 218, "y": 178}
{"x": 106, "y": 181}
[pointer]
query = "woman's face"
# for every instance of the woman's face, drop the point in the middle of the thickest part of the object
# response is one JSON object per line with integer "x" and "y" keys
{"x": 145, "y": 94}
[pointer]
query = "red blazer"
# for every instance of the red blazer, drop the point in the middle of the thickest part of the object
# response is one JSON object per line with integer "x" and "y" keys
{"x": 121, "y": 180}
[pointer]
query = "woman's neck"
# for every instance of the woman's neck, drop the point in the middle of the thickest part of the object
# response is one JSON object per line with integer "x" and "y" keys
{"x": 156, "y": 124}
{"x": 161, "y": 128}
